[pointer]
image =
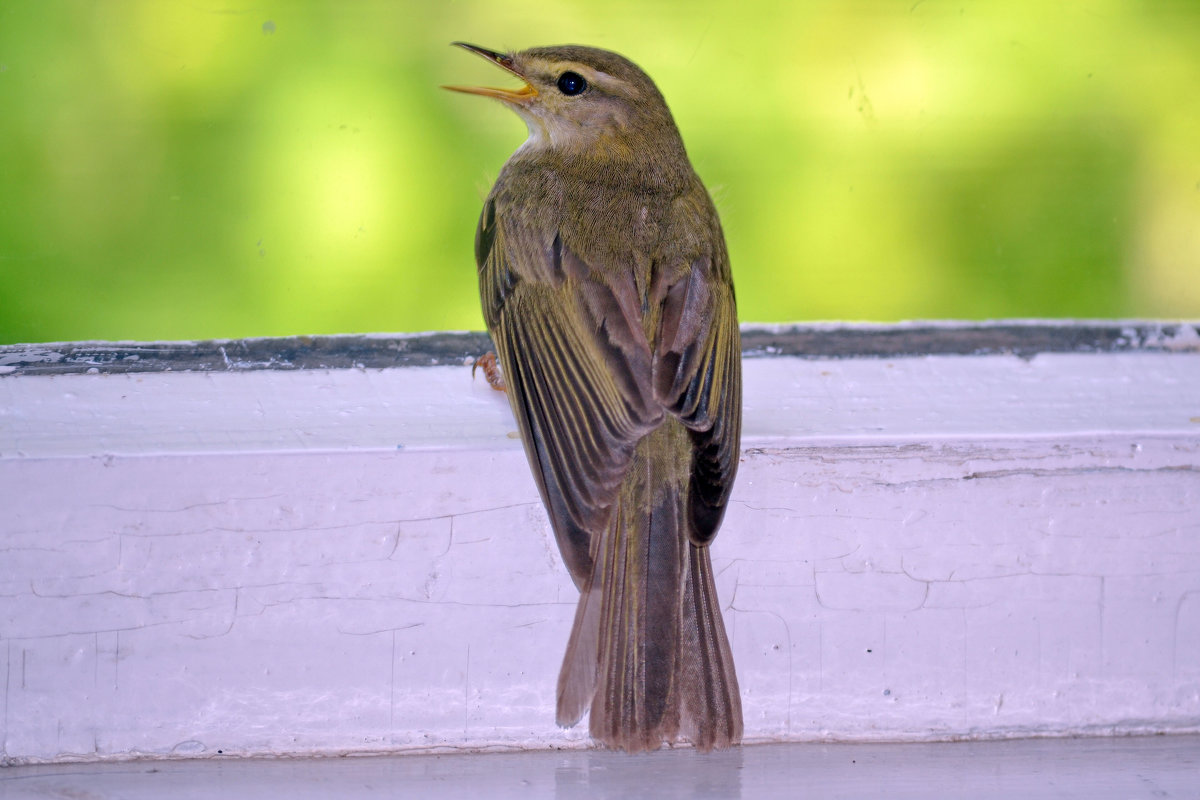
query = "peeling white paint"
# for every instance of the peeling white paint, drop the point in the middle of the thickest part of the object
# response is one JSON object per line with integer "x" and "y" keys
{"x": 356, "y": 560}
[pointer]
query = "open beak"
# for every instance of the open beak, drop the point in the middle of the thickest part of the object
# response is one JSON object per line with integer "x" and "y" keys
{"x": 522, "y": 96}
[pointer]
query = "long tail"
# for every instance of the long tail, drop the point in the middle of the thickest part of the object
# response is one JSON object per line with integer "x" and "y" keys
{"x": 648, "y": 651}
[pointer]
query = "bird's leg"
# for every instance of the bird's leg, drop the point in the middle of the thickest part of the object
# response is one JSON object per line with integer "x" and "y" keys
{"x": 491, "y": 370}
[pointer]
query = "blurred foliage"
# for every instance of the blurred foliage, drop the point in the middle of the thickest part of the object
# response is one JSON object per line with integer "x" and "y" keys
{"x": 208, "y": 168}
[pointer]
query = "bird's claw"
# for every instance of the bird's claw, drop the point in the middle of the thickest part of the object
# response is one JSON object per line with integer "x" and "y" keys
{"x": 491, "y": 370}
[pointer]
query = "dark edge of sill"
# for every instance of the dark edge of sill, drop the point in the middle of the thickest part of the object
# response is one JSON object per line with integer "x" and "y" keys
{"x": 1024, "y": 339}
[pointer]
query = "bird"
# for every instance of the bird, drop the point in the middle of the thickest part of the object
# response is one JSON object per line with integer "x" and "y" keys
{"x": 605, "y": 284}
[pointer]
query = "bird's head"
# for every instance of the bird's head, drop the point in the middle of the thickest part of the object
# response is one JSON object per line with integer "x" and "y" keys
{"x": 585, "y": 101}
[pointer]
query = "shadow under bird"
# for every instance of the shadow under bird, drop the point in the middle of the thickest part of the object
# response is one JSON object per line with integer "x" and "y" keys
{"x": 606, "y": 288}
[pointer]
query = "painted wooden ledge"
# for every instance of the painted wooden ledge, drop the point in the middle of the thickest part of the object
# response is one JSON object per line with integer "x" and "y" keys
{"x": 332, "y": 544}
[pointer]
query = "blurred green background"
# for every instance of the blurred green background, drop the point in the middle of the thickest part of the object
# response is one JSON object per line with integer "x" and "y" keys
{"x": 177, "y": 169}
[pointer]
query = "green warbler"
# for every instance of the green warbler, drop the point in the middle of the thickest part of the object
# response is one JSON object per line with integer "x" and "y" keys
{"x": 606, "y": 288}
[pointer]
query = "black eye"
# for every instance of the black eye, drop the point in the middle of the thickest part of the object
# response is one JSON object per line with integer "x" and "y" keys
{"x": 571, "y": 83}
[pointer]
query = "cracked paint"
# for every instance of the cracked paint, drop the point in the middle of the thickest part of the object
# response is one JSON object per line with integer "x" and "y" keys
{"x": 317, "y": 601}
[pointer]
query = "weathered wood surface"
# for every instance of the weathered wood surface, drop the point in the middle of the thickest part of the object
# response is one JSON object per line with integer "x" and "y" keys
{"x": 331, "y": 560}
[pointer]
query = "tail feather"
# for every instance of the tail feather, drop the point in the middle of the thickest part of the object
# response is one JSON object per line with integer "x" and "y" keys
{"x": 577, "y": 679}
{"x": 639, "y": 626}
{"x": 710, "y": 702}
{"x": 648, "y": 650}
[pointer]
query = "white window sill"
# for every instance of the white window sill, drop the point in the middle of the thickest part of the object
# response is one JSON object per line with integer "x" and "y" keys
{"x": 288, "y": 547}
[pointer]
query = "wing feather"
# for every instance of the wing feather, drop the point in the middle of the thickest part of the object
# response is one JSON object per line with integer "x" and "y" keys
{"x": 698, "y": 377}
{"x": 578, "y": 374}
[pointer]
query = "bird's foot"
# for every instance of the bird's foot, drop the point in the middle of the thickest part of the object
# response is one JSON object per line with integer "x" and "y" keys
{"x": 491, "y": 370}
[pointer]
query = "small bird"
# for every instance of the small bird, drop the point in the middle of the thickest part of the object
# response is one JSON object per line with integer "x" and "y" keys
{"x": 605, "y": 285}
